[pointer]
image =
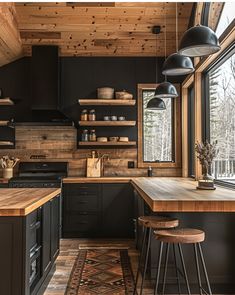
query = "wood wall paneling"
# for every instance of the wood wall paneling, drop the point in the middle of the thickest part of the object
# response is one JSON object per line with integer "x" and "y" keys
{"x": 101, "y": 29}
{"x": 60, "y": 144}
{"x": 10, "y": 42}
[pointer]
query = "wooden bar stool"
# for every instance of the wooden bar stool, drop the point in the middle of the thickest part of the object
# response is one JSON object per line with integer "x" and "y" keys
{"x": 177, "y": 237}
{"x": 149, "y": 223}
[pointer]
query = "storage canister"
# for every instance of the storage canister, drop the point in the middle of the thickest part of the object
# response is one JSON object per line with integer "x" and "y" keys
{"x": 92, "y": 116}
{"x": 84, "y": 115}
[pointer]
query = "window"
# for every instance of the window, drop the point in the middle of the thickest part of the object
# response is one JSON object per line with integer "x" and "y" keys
{"x": 156, "y": 132}
{"x": 191, "y": 131}
{"x": 220, "y": 124}
{"x": 227, "y": 16}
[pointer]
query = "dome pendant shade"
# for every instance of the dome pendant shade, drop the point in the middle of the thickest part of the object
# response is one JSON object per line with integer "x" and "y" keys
{"x": 155, "y": 104}
{"x": 177, "y": 65}
{"x": 199, "y": 41}
{"x": 164, "y": 90}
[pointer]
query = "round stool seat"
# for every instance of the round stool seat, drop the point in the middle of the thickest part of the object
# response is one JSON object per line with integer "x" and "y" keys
{"x": 158, "y": 222}
{"x": 183, "y": 235}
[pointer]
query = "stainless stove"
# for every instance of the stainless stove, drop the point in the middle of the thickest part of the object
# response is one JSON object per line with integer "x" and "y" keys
{"x": 40, "y": 174}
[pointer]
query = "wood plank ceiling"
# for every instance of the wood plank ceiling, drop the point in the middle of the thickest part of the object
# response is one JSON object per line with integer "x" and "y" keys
{"x": 101, "y": 29}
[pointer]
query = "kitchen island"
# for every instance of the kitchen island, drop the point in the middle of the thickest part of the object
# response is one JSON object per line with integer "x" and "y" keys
{"x": 29, "y": 245}
{"x": 212, "y": 211}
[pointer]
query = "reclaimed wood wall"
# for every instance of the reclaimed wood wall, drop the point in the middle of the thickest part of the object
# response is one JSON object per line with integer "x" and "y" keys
{"x": 60, "y": 144}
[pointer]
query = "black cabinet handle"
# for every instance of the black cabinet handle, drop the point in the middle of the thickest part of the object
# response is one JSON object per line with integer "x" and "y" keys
{"x": 82, "y": 202}
{"x": 84, "y": 187}
{"x": 35, "y": 225}
{"x": 34, "y": 252}
{"x": 83, "y": 222}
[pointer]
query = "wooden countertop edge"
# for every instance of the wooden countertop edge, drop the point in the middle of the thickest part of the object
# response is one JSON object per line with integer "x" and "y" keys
{"x": 97, "y": 180}
{"x": 145, "y": 196}
{"x": 31, "y": 207}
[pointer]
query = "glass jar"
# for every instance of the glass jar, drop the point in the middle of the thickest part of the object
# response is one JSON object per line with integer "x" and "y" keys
{"x": 92, "y": 136}
{"x": 84, "y": 115}
{"x": 85, "y": 135}
{"x": 91, "y": 116}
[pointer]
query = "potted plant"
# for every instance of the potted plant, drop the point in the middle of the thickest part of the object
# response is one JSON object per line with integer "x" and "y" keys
{"x": 206, "y": 153}
{"x": 8, "y": 163}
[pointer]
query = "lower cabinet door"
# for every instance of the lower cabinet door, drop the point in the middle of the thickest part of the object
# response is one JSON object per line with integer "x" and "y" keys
{"x": 117, "y": 210}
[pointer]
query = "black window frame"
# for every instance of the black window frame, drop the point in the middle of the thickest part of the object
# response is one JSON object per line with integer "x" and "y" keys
{"x": 191, "y": 130}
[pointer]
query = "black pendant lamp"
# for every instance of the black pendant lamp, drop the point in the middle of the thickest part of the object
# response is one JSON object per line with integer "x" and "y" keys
{"x": 177, "y": 64}
{"x": 165, "y": 89}
{"x": 199, "y": 41}
{"x": 156, "y": 104}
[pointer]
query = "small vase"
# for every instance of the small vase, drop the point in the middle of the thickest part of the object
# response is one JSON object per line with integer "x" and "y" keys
{"x": 7, "y": 173}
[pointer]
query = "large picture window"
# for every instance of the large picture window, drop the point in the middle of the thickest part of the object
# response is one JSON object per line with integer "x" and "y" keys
{"x": 158, "y": 131}
{"x": 220, "y": 82}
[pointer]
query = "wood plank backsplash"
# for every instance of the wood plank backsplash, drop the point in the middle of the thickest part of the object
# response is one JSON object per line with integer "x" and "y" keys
{"x": 59, "y": 143}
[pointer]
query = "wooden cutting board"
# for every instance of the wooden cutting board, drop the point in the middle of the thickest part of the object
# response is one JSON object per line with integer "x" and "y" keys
{"x": 93, "y": 167}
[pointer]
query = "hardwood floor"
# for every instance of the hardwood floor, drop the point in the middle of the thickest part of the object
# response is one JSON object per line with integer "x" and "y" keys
{"x": 68, "y": 254}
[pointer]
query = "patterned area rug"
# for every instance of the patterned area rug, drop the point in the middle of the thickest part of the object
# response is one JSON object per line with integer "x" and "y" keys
{"x": 101, "y": 271}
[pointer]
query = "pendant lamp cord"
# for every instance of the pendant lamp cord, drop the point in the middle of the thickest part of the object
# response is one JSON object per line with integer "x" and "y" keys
{"x": 165, "y": 34}
{"x": 176, "y": 26}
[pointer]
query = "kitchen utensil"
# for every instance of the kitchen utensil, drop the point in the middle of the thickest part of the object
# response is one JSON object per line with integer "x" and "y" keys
{"x": 106, "y": 118}
{"x": 123, "y": 95}
{"x": 121, "y": 118}
{"x": 105, "y": 93}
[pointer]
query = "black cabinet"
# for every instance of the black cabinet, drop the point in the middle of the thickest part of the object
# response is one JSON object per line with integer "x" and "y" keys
{"x": 98, "y": 210}
{"x": 117, "y": 210}
{"x": 81, "y": 210}
{"x": 29, "y": 246}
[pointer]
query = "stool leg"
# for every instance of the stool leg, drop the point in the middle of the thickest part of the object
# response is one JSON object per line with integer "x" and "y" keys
{"x": 146, "y": 259}
{"x": 198, "y": 269}
{"x": 204, "y": 269}
{"x": 165, "y": 268}
{"x": 184, "y": 269}
{"x": 176, "y": 270}
{"x": 159, "y": 268}
{"x": 140, "y": 260}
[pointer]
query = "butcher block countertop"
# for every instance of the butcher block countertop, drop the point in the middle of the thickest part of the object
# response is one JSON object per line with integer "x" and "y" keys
{"x": 22, "y": 201}
{"x": 97, "y": 179}
{"x": 164, "y": 194}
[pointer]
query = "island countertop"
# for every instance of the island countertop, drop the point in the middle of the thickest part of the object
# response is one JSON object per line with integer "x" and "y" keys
{"x": 164, "y": 194}
{"x": 22, "y": 201}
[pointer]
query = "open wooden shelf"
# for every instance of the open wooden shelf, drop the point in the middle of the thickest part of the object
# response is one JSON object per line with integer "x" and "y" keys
{"x": 6, "y": 123}
{"x": 107, "y": 102}
{"x": 108, "y": 143}
{"x": 6, "y": 101}
{"x": 2, "y": 142}
{"x": 107, "y": 123}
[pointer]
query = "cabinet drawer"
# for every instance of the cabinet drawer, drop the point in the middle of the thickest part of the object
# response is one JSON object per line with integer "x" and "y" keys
{"x": 82, "y": 189}
{"x": 81, "y": 222}
{"x": 83, "y": 203}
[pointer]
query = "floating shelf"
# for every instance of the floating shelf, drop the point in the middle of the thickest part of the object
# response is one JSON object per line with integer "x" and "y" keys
{"x": 107, "y": 102}
{"x": 6, "y": 101}
{"x": 107, "y": 123}
{"x": 6, "y": 143}
{"x": 108, "y": 143}
{"x": 4, "y": 123}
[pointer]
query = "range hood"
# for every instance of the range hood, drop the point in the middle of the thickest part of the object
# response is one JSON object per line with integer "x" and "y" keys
{"x": 45, "y": 85}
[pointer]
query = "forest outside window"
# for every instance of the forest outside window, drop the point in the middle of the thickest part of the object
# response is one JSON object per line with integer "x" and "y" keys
{"x": 156, "y": 132}
{"x": 220, "y": 83}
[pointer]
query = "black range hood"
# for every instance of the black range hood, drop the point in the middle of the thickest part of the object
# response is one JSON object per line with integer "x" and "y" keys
{"x": 45, "y": 85}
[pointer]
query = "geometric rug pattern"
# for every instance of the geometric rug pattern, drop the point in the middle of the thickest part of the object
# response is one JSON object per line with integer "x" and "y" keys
{"x": 101, "y": 271}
